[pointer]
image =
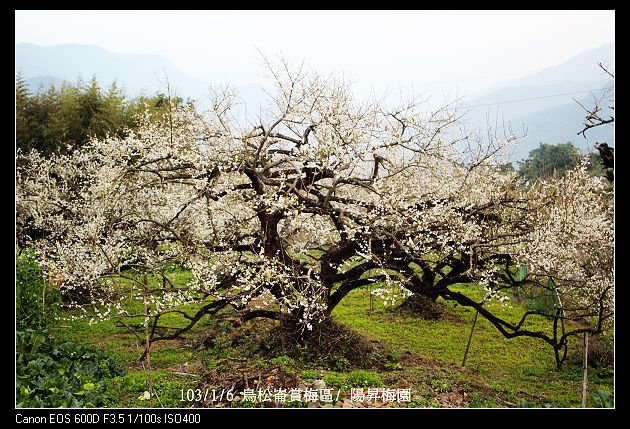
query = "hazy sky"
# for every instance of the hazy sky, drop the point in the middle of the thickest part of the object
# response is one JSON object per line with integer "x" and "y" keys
{"x": 450, "y": 51}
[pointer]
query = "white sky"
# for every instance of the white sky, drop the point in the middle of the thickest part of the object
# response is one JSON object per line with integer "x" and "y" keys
{"x": 456, "y": 52}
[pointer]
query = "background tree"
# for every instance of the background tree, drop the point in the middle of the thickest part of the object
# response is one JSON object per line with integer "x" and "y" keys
{"x": 549, "y": 159}
{"x": 57, "y": 120}
{"x": 21, "y": 100}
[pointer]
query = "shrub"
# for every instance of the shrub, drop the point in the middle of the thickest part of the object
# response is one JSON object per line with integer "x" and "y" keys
{"x": 310, "y": 374}
{"x": 341, "y": 364}
{"x": 363, "y": 378}
{"x": 603, "y": 399}
{"x": 36, "y": 301}
{"x": 53, "y": 374}
{"x": 601, "y": 352}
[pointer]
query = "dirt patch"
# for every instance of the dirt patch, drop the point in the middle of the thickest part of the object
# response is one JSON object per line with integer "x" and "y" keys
{"x": 242, "y": 375}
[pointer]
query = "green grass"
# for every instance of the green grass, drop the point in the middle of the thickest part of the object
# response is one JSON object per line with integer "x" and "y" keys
{"x": 175, "y": 365}
{"x": 520, "y": 371}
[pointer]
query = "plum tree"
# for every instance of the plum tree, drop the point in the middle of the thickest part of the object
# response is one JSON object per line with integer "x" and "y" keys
{"x": 323, "y": 194}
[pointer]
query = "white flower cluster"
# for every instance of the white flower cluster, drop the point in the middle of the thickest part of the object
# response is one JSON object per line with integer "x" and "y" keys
{"x": 252, "y": 212}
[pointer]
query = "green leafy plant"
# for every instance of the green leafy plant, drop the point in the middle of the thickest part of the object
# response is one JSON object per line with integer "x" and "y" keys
{"x": 478, "y": 401}
{"x": 603, "y": 399}
{"x": 424, "y": 403}
{"x": 363, "y": 378}
{"x": 53, "y": 374}
{"x": 36, "y": 301}
{"x": 310, "y": 374}
{"x": 392, "y": 366}
{"x": 341, "y": 364}
{"x": 442, "y": 384}
{"x": 283, "y": 361}
{"x": 335, "y": 380}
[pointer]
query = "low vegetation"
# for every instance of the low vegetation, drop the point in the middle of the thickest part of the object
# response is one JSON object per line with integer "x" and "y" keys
{"x": 398, "y": 351}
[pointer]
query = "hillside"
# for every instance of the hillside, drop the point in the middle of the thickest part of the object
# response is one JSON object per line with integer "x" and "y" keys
{"x": 544, "y": 103}
{"x": 136, "y": 73}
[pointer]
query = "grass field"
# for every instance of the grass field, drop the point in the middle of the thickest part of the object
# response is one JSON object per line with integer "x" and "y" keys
{"x": 424, "y": 355}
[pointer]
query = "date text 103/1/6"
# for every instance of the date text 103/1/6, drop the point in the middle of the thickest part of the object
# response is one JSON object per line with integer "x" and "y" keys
{"x": 281, "y": 395}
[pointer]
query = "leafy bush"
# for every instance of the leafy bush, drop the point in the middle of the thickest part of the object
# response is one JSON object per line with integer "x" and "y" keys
{"x": 601, "y": 354}
{"x": 36, "y": 301}
{"x": 601, "y": 351}
{"x": 341, "y": 364}
{"x": 53, "y": 374}
{"x": 310, "y": 374}
{"x": 333, "y": 379}
{"x": 362, "y": 378}
{"x": 283, "y": 361}
{"x": 442, "y": 384}
{"x": 603, "y": 399}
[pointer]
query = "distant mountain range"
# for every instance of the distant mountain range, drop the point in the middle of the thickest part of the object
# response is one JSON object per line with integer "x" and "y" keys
{"x": 138, "y": 74}
{"x": 544, "y": 104}
{"x": 541, "y": 102}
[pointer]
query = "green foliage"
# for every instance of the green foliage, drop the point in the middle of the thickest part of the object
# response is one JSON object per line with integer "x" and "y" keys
{"x": 506, "y": 167}
{"x": 362, "y": 378}
{"x": 526, "y": 376}
{"x": 527, "y": 368}
{"x": 285, "y": 363}
{"x": 341, "y": 364}
{"x": 603, "y": 399}
{"x": 126, "y": 391}
{"x": 157, "y": 105}
{"x": 310, "y": 374}
{"x": 595, "y": 164}
{"x": 36, "y": 301}
{"x": 332, "y": 379}
{"x": 54, "y": 120}
{"x": 549, "y": 159}
{"x": 541, "y": 299}
{"x": 392, "y": 366}
{"x": 442, "y": 384}
{"x": 54, "y": 374}
{"x": 424, "y": 403}
{"x": 478, "y": 401}
{"x": 526, "y": 404}
{"x": 392, "y": 363}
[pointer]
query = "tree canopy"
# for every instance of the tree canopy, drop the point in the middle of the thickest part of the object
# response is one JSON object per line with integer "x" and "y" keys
{"x": 322, "y": 195}
{"x": 549, "y": 159}
{"x": 57, "y": 120}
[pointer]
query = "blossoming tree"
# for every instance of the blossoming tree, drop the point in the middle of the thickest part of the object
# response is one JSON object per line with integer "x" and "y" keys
{"x": 321, "y": 195}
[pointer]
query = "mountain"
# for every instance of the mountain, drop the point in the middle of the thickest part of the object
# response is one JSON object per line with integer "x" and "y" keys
{"x": 515, "y": 101}
{"x": 136, "y": 73}
{"x": 580, "y": 68}
{"x": 561, "y": 124}
{"x": 544, "y": 103}
{"x": 38, "y": 83}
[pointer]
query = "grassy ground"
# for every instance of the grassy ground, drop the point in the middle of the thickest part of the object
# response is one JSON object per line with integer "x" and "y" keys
{"x": 520, "y": 370}
{"x": 421, "y": 354}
